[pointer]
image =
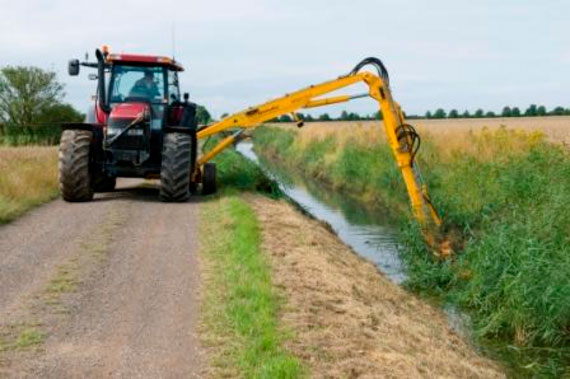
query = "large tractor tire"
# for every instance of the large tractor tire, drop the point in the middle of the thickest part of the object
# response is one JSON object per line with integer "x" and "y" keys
{"x": 74, "y": 162}
{"x": 209, "y": 179}
{"x": 175, "y": 170}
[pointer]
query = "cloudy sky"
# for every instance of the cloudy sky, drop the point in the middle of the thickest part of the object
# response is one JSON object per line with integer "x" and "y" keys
{"x": 440, "y": 53}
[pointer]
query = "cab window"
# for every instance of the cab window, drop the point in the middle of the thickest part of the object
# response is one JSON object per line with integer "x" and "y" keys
{"x": 173, "y": 88}
{"x": 131, "y": 83}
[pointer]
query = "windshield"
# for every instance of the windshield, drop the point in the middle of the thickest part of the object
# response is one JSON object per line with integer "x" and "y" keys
{"x": 132, "y": 83}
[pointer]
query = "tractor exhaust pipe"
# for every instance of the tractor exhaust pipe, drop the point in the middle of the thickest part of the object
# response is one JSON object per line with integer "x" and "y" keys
{"x": 101, "y": 85}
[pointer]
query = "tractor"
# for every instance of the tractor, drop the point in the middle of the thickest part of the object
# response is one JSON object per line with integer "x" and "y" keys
{"x": 138, "y": 126}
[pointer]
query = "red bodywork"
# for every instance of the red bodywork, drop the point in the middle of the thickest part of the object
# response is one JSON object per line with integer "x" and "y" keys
{"x": 151, "y": 60}
{"x": 128, "y": 110}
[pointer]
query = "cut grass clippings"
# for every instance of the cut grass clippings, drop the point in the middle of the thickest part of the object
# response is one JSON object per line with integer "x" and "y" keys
{"x": 241, "y": 307}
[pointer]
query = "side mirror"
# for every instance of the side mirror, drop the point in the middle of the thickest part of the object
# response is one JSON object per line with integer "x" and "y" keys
{"x": 186, "y": 96}
{"x": 73, "y": 67}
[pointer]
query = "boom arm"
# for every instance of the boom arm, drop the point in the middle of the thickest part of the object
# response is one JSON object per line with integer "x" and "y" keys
{"x": 402, "y": 138}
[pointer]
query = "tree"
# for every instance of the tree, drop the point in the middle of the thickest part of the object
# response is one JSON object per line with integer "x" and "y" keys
{"x": 202, "y": 115}
{"x": 516, "y": 112}
{"x": 285, "y": 118}
{"x": 490, "y": 114}
{"x": 26, "y": 93}
{"x": 439, "y": 113}
{"x": 479, "y": 113}
{"x": 58, "y": 113}
{"x": 343, "y": 116}
{"x": 309, "y": 118}
{"x": 453, "y": 113}
{"x": 353, "y": 116}
{"x": 530, "y": 111}
{"x": 558, "y": 111}
{"x": 324, "y": 117}
{"x": 378, "y": 116}
{"x": 541, "y": 111}
{"x": 224, "y": 115}
{"x": 466, "y": 114}
{"x": 506, "y": 112}
{"x": 428, "y": 114}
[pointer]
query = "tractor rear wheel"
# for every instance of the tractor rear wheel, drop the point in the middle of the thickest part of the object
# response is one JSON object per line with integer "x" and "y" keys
{"x": 74, "y": 161}
{"x": 175, "y": 170}
{"x": 209, "y": 179}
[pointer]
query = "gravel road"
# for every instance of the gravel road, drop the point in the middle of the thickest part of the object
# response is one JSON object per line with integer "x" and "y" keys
{"x": 128, "y": 304}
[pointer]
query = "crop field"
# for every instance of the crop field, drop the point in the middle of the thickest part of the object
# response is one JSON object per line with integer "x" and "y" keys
{"x": 556, "y": 129}
{"x": 502, "y": 188}
{"x": 28, "y": 177}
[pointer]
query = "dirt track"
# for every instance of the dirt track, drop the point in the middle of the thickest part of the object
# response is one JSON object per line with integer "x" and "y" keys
{"x": 111, "y": 284}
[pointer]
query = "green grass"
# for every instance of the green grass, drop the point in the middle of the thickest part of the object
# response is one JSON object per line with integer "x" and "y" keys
{"x": 29, "y": 337}
{"x": 241, "y": 306}
{"x": 237, "y": 172}
{"x": 509, "y": 209}
{"x": 20, "y": 337}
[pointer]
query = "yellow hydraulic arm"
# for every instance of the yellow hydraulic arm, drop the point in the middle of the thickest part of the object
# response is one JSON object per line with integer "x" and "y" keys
{"x": 403, "y": 139}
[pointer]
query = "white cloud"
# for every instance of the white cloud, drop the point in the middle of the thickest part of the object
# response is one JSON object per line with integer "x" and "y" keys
{"x": 442, "y": 53}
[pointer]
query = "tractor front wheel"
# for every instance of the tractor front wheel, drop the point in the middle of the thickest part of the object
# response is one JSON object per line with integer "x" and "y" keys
{"x": 175, "y": 170}
{"x": 209, "y": 179}
{"x": 74, "y": 161}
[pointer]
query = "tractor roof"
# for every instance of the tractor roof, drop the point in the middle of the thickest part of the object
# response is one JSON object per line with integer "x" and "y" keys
{"x": 150, "y": 60}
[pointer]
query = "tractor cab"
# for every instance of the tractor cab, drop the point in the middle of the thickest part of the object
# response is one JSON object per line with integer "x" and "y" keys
{"x": 140, "y": 86}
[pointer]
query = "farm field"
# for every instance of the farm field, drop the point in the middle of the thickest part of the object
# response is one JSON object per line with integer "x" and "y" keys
{"x": 502, "y": 208}
{"x": 555, "y": 128}
{"x": 28, "y": 177}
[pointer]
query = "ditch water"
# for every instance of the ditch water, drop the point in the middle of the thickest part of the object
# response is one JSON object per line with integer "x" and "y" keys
{"x": 367, "y": 232}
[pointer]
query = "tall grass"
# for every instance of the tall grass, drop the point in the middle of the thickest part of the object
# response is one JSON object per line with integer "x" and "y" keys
{"x": 237, "y": 172}
{"x": 40, "y": 135}
{"x": 504, "y": 193}
{"x": 28, "y": 177}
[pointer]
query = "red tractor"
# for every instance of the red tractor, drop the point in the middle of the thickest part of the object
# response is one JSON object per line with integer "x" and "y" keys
{"x": 138, "y": 126}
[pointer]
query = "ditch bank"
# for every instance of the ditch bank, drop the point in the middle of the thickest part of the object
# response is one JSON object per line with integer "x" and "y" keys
{"x": 509, "y": 274}
{"x": 344, "y": 317}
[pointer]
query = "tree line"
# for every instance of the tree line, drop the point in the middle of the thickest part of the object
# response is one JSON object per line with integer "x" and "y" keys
{"x": 32, "y": 108}
{"x": 532, "y": 111}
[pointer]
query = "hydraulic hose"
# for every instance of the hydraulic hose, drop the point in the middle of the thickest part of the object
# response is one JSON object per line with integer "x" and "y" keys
{"x": 378, "y": 65}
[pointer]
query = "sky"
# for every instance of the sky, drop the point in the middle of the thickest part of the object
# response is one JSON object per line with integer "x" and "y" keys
{"x": 440, "y": 53}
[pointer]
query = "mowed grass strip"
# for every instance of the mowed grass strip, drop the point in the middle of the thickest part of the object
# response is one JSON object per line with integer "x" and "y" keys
{"x": 28, "y": 177}
{"x": 240, "y": 318}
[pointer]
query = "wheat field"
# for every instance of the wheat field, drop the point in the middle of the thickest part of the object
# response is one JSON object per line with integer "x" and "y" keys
{"x": 556, "y": 129}
{"x": 28, "y": 177}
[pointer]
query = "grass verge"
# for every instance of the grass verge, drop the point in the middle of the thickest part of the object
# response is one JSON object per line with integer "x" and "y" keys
{"x": 503, "y": 193}
{"x": 241, "y": 307}
{"x": 28, "y": 177}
